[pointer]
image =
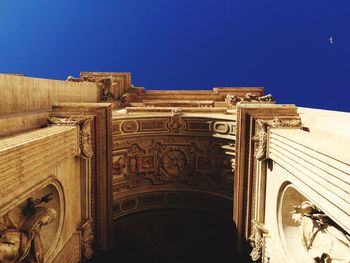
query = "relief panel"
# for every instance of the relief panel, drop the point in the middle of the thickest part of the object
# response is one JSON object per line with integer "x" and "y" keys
{"x": 187, "y": 161}
{"x": 30, "y": 231}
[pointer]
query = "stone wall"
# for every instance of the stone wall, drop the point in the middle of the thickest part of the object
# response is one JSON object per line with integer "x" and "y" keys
{"x": 25, "y": 102}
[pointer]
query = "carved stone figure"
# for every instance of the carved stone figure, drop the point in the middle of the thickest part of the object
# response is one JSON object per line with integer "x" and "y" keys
{"x": 322, "y": 238}
{"x": 257, "y": 240}
{"x": 21, "y": 242}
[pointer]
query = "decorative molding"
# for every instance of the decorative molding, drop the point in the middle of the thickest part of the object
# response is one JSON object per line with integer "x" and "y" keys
{"x": 63, "y": 121}
{"x": 101, "y": 165}
{"x": 248, "y": 171}
{"x": 131, "y": 203}
{"x": 87, "y": 238}
{"x": 84, "y": 124}
{"x": 261, "y": 134}
{"x": 234, "y": 100}
{"x": 129, "y": 126}
{"x": 257, "y": 240}
{"x": 176, "y": 124}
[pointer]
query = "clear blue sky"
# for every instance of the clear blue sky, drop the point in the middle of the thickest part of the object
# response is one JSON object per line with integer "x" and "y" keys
{"x": 282, "y": 45}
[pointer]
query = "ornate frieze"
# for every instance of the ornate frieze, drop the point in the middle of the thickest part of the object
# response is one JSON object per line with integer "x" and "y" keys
{"x": 261, "y": 134}
{"x": 84, "y": 132}
{"x": 129, "y": 126}
{"x": 174, "y": 124}
{"x": 233, "y": 100}
{"x": 153, "y": 125}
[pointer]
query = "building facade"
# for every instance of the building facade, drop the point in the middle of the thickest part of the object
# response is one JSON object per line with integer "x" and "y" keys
{"x": 77, "y": 156}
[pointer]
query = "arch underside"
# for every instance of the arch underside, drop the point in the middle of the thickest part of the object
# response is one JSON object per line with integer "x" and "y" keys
{"x": 172, "y": 161}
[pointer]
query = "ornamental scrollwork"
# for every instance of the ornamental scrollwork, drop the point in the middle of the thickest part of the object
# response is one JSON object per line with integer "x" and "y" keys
{"x": 106, "y": 87}
{"x": 85, "y": 143}
{"x": 260, "y": 137}
{"x": 174, "y": 162}
{"x": 257, "y": 240}
{"x": 233, "y": 100}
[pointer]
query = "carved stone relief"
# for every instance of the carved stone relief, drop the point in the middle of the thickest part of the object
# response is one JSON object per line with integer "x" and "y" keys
{"x": 233, "y": 100}
{"x": 322, "y": 238}
{"x": 257, "y": 240}
{"x": 167, "y": 160}
{"x": 261, "y": 135}
{"x": 109, "y": 88}
{"x": 129, "y": 126}
{"x": 309, "y": 235}
{"x": 174, "y": 124}
{"x": 29, "y": 230}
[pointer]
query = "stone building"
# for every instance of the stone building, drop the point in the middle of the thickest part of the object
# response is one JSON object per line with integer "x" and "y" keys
{"x": 83, "y": 157}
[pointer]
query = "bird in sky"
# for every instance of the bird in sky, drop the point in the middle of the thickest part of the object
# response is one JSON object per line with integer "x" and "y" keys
{"x": 331, "y": 39}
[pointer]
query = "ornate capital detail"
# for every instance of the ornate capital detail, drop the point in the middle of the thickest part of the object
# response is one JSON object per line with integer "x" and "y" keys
{"x": 86, "y": 239}
{"x": 233, "y": 100}
{"x": 63, "y": 121}
{"x": 257, "y": 240}
{"x": 260, "y": 137}
{"x": 84, "y": 132}
{"x": 106, "y": 86}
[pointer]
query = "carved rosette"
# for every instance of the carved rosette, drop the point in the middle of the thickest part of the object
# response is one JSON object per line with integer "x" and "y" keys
{"x": 257, "y": 240}
{"x": 84, "y": 124}
{"x": 174, "y": 162}
{"x": 261, "y": 135}
{"x": 86, "y": 239}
